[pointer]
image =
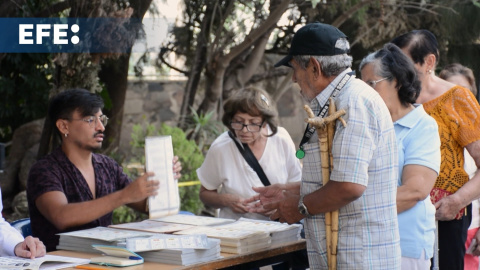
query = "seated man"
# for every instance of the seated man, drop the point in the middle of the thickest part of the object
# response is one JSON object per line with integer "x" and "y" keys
{"x": 13, "y": 244}
{"x": 73, "y": 188}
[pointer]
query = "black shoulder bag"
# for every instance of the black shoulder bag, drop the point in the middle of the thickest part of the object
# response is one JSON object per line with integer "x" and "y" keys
{"x": 251, "y": 160}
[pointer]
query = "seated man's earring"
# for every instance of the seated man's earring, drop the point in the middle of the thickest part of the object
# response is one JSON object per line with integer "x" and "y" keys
{"x": 66, "y": 134}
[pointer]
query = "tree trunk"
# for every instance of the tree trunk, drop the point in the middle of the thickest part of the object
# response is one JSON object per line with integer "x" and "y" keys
{"x": 220, "y": 62}
{"x": 243, "y": 75}
{"x": 198, "y": 66}
{"x": 214, "y": 89}
{"x": 114, "y": 74}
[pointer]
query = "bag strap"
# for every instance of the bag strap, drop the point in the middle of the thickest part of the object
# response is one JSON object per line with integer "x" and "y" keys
{"x": 251, "y": 160}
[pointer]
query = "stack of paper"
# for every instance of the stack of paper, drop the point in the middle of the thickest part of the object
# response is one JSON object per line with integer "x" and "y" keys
{"x": 165, "y": 241}
{"x": 185, "y": 256}
{"x": 84, "y": 239}
{"x": 279, "y": 232}
{"x": 152, "y": 226}
{"x": 236, "y": 241}
{"x": 194, "y": 220}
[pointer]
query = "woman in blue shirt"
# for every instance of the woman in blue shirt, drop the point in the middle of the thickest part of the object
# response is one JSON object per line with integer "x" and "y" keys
{"x": 392, "y": 74}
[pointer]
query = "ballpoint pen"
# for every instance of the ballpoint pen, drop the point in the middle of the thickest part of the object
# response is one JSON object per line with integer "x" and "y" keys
{"x": 88, "y": 267}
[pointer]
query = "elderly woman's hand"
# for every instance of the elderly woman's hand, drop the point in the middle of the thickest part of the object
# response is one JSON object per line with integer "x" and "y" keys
{"x": 236, "y": 203}
{"x": 257, "y": 207}
{"x": 447, "y": 208}
{"x": 269, "y": 194}
{"x": 266, "y": 195}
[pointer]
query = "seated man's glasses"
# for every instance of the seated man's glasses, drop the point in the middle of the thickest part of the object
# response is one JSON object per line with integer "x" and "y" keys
{"x": 250, "y": 127}
{"x": 92, "y": 120}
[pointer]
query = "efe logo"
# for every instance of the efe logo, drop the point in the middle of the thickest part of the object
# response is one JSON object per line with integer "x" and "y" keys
{"x": 44, "y": 31}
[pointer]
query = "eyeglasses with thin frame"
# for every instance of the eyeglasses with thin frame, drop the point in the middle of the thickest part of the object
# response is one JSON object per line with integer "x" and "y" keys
{"x": 93, "y": 119}
{"x": 374, "y": 83}
{"x": 250, "y": 127}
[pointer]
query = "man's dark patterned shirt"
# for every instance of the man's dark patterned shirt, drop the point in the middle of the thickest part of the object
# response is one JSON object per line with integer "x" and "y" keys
{"x": 55, "y": 172}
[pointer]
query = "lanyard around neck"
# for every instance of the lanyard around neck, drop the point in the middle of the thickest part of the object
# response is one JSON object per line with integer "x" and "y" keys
{"x": 309, "y": 130}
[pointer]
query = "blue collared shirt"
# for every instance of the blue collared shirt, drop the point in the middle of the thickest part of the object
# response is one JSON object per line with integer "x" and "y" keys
{"x": 418, "y": 143}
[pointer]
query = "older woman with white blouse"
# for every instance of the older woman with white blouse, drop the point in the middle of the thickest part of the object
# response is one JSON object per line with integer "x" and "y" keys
{"x": 227, "y": 179}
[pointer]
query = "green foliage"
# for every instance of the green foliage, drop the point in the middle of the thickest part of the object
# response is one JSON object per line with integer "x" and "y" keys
{"x": 125, "y": 214}
{"x": 191, "y": 158}
{"x": 189, "y": 154}
{"x": 204, "y": 129}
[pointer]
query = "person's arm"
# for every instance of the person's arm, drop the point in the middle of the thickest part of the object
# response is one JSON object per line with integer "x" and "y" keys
{"x": 55, "y": 207}
{"x": 417, "y": 182}
{"x": 449, "y": 206}
{"x": 216, "y": 200}
{"x": 332, "y": 196}
{"x": 269, "y": 195}
{"x": 30, "y": 248}
{"x": 272, "y": 193}
{"x": 9, "y": 237}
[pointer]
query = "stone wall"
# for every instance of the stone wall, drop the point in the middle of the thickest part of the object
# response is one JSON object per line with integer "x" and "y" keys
{"x": 159, "y": 102}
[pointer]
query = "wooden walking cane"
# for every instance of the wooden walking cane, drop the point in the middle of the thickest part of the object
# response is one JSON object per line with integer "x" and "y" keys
{"x": 325, "y": 130}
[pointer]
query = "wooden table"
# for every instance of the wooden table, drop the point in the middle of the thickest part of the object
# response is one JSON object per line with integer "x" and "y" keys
{"x": 229, "y": 261}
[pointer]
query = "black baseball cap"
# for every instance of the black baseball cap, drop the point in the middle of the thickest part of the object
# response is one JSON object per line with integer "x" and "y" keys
{"x": 314, "y": 39}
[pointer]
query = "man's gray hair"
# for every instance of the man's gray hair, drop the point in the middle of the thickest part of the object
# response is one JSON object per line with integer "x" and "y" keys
{"x": 330, "y": 65}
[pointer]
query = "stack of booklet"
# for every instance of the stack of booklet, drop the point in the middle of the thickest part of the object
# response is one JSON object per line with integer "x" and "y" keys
{"x": 84, "y": 239}
{"x": 236, "y": 241}
{"x": 279, "y": 232}
{"x": 185, "y": 256}
{"x": 152, "y": 226}
{"x": 152, "y": 247}
{"x": 194, "y": 220}
{"x": 165, "y": 241}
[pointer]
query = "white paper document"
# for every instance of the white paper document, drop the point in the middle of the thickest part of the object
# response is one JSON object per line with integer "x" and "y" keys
{"x": 152, "y": 226}
{"x": 167, "y": 241}
{"x": 195, "y": 220}
{"x": 158, "y": 159}
{"x": 46, "y": 262}
{"x": 104, "y": 234}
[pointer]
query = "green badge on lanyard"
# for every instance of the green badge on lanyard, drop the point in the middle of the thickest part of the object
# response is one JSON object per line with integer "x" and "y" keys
{"x": 300, "y": 153}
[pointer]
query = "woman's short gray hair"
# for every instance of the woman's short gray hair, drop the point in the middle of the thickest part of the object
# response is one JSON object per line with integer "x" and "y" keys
{"x": 330, "y": 65}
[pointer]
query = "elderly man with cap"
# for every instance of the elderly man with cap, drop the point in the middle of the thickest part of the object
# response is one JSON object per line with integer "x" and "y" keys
{"x": 363, "y": 181}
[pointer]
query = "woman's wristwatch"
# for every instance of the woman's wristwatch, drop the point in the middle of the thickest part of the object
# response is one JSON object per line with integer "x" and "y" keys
{"x": 302, "y": 208}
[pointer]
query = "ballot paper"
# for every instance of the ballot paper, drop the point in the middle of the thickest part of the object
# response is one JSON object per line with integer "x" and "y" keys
{"x": 152, "y": 226}
{"x": 158, "y": 159}
{"x": 194, "y": 220}
{"x": 166, "y": 241}
{"x": 45, "y": 263}
{"x": 84, "y": 239}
